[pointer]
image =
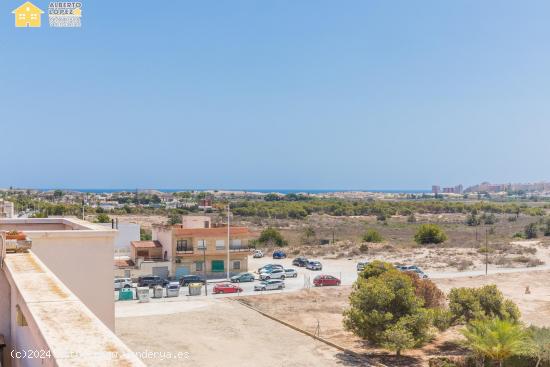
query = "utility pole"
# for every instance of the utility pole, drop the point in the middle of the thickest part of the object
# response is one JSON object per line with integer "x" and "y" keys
{"x": 486, "y": 251}
{"x": 204, "y": 268}
{"x": 228, "y": 238}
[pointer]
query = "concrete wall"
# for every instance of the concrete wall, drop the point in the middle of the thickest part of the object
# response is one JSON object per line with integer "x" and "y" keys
{"x": 164, "y": 236}
{"x": 85, "y": 264}
{"x": 127, "y": 232}
{"x": 81, "y": 257}
{"x": 5, "y": 313}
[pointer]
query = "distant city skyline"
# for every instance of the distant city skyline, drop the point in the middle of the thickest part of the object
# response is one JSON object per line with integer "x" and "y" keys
{"x": 297, "y": 95}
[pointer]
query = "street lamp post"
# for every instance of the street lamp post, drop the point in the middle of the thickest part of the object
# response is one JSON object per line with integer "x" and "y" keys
{"x": 228, "y": 238}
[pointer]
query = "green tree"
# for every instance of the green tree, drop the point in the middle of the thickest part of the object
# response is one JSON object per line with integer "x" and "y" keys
{"x": 380, "y": 302}
{"x": 530, "y": 231}
{"x": 430, "y": 233}
{"x": 472, "y": 220}
{"x": 467, "y": 304}
{"x": 376, "y": 268}
{"x": 272, "y": 237}
{"x": 397, "y": 338}
{"x": 372, "y": 235}
{"x": 497, "y": 339}
{"x": 103, "y": 218}
{"x": 145, "y": 234}
{"x": 541, "y": 344}
{"x": 308, "y": 235}
{"x": 174, "y": 218}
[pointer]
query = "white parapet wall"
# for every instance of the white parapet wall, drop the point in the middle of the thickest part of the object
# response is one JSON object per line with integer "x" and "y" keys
{"x": 77, "y": 252}
{"x": 40, "y": 315}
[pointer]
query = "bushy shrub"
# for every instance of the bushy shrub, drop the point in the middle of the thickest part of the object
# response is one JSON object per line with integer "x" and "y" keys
{"x": 467, "y": 304}
{"x": 530, "y": 231}
{"x": 380, "y": 302}
{"x": 272, "y": 237}
{"x": 427, "y": 290}
{"x": 430, "y": 233}
{"x": 442, "y": 318}
{"x": 372, "y": 235}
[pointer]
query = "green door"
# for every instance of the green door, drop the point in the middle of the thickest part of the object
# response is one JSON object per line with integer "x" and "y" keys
{"x": 217, "y": 266}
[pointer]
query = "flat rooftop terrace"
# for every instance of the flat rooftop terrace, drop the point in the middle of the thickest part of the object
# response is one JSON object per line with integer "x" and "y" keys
{"x": 75, "y": 336}
{"x": 34, "y": 225}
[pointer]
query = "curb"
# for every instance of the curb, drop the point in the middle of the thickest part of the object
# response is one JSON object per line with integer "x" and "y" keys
{"x": 305, "y": 332}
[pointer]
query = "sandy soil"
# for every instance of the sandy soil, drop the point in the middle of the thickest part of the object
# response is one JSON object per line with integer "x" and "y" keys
{"x": 323, "y": 308}
{"x": 222, "y": 333}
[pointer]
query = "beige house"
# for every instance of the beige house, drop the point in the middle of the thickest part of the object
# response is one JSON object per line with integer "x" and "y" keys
{"x": 195, "y": 249}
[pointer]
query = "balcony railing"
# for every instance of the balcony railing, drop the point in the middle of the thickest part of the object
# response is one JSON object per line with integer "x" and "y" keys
{"x": 239, "y": 248}
{"x": 184, "y": 250}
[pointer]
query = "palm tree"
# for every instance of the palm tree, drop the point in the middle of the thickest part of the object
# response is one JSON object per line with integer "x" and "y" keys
{"x": 497, "y": 339}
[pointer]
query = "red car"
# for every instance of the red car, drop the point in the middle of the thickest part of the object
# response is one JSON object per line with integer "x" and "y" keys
{"x": 226, "y": 288}
{"x": 324, "y": 280}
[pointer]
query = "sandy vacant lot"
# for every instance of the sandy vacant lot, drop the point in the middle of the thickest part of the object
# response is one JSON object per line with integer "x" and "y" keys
{"x": 218, "y": 333}
{"x": 323, "y": 307}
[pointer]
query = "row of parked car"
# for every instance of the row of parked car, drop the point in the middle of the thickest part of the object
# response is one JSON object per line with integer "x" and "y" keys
{"x": 408, "y": 268}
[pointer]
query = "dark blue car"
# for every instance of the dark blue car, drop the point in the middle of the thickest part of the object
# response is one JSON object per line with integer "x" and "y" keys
{"x": 279, "y": 254}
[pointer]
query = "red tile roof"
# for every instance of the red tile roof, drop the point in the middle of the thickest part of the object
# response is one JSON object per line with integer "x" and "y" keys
{"x": 146, "y": 244}
{"x": 211, "y": 232}
{"x": 124, "y": 263}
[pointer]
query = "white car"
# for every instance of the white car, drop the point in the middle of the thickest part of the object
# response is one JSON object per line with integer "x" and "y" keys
{"x": 122, "y": 283}
{"x": 291, "y": 273}
{"x": 269, "y": 285}
{"x": 273, "y": 274}
{"x": 257, "y": 254}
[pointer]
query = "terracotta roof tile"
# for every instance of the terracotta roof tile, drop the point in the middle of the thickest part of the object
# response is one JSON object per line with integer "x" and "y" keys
{"x": 146, "y": 244}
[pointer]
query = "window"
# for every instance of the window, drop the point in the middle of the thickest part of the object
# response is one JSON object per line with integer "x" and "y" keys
{"x": 235, "y": 244}
{"x": 201, "y": 244}
{"x": 236, "y": 265}
{"x": 220, "y": 244}
{"x": 199, "y": 266}
{"x": 181, "y": 245}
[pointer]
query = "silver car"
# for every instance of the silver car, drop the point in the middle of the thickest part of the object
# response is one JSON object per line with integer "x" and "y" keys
{"x": 273, "y": 274}
{"x": 270, "y": 285}
{"x": 122, "y": 283}
{"x": 291, "y": 273}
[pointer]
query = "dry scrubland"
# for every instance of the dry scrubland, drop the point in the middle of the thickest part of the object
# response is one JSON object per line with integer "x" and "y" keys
{"x": 309, "y": 308}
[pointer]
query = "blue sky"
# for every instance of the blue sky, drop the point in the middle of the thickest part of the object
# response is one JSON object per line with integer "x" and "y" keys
{"x": 277, "y": 94}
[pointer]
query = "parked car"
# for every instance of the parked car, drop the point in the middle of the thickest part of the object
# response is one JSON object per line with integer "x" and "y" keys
{"x": 291, "y": 273}
{"x": 300, "y": 261}
{"x": 257, "y": 254}
{"x": 419, "y": 272}
{"x": 188, "y": 279}
{"x": 279, "y": 254}
{"x": 273, "y": 274}
{"x": 242, "y": 277}
{"x": 361, "y": 265}
{"x": 269, "y": 285}
{"x": 314, "y": 265}
{"x": 269, "y": 267}
{"x": 122, "y": 283}
{"x": 408, "y": 268}
{"x": 325, "y": 280}
{"x": 226, "y": 288}
{"x": 151, "y": 281}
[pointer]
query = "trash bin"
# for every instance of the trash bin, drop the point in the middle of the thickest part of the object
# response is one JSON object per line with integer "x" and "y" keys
{"x": 173, "y": 289}
{"x": 195, "y": 289}
{"x": 157, "y": 292}
{"x": 143, "y": 294}
{"x": 126, "y": 294}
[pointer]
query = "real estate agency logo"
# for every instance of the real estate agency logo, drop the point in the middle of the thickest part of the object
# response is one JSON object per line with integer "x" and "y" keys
{"x": 60, "y": 15}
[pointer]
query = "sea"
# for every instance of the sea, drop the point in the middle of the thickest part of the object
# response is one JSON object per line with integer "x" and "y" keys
{"x": 264, "y": 191}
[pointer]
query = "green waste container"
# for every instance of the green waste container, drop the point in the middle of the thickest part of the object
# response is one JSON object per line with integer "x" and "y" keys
{"x": 125, "y": 294}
